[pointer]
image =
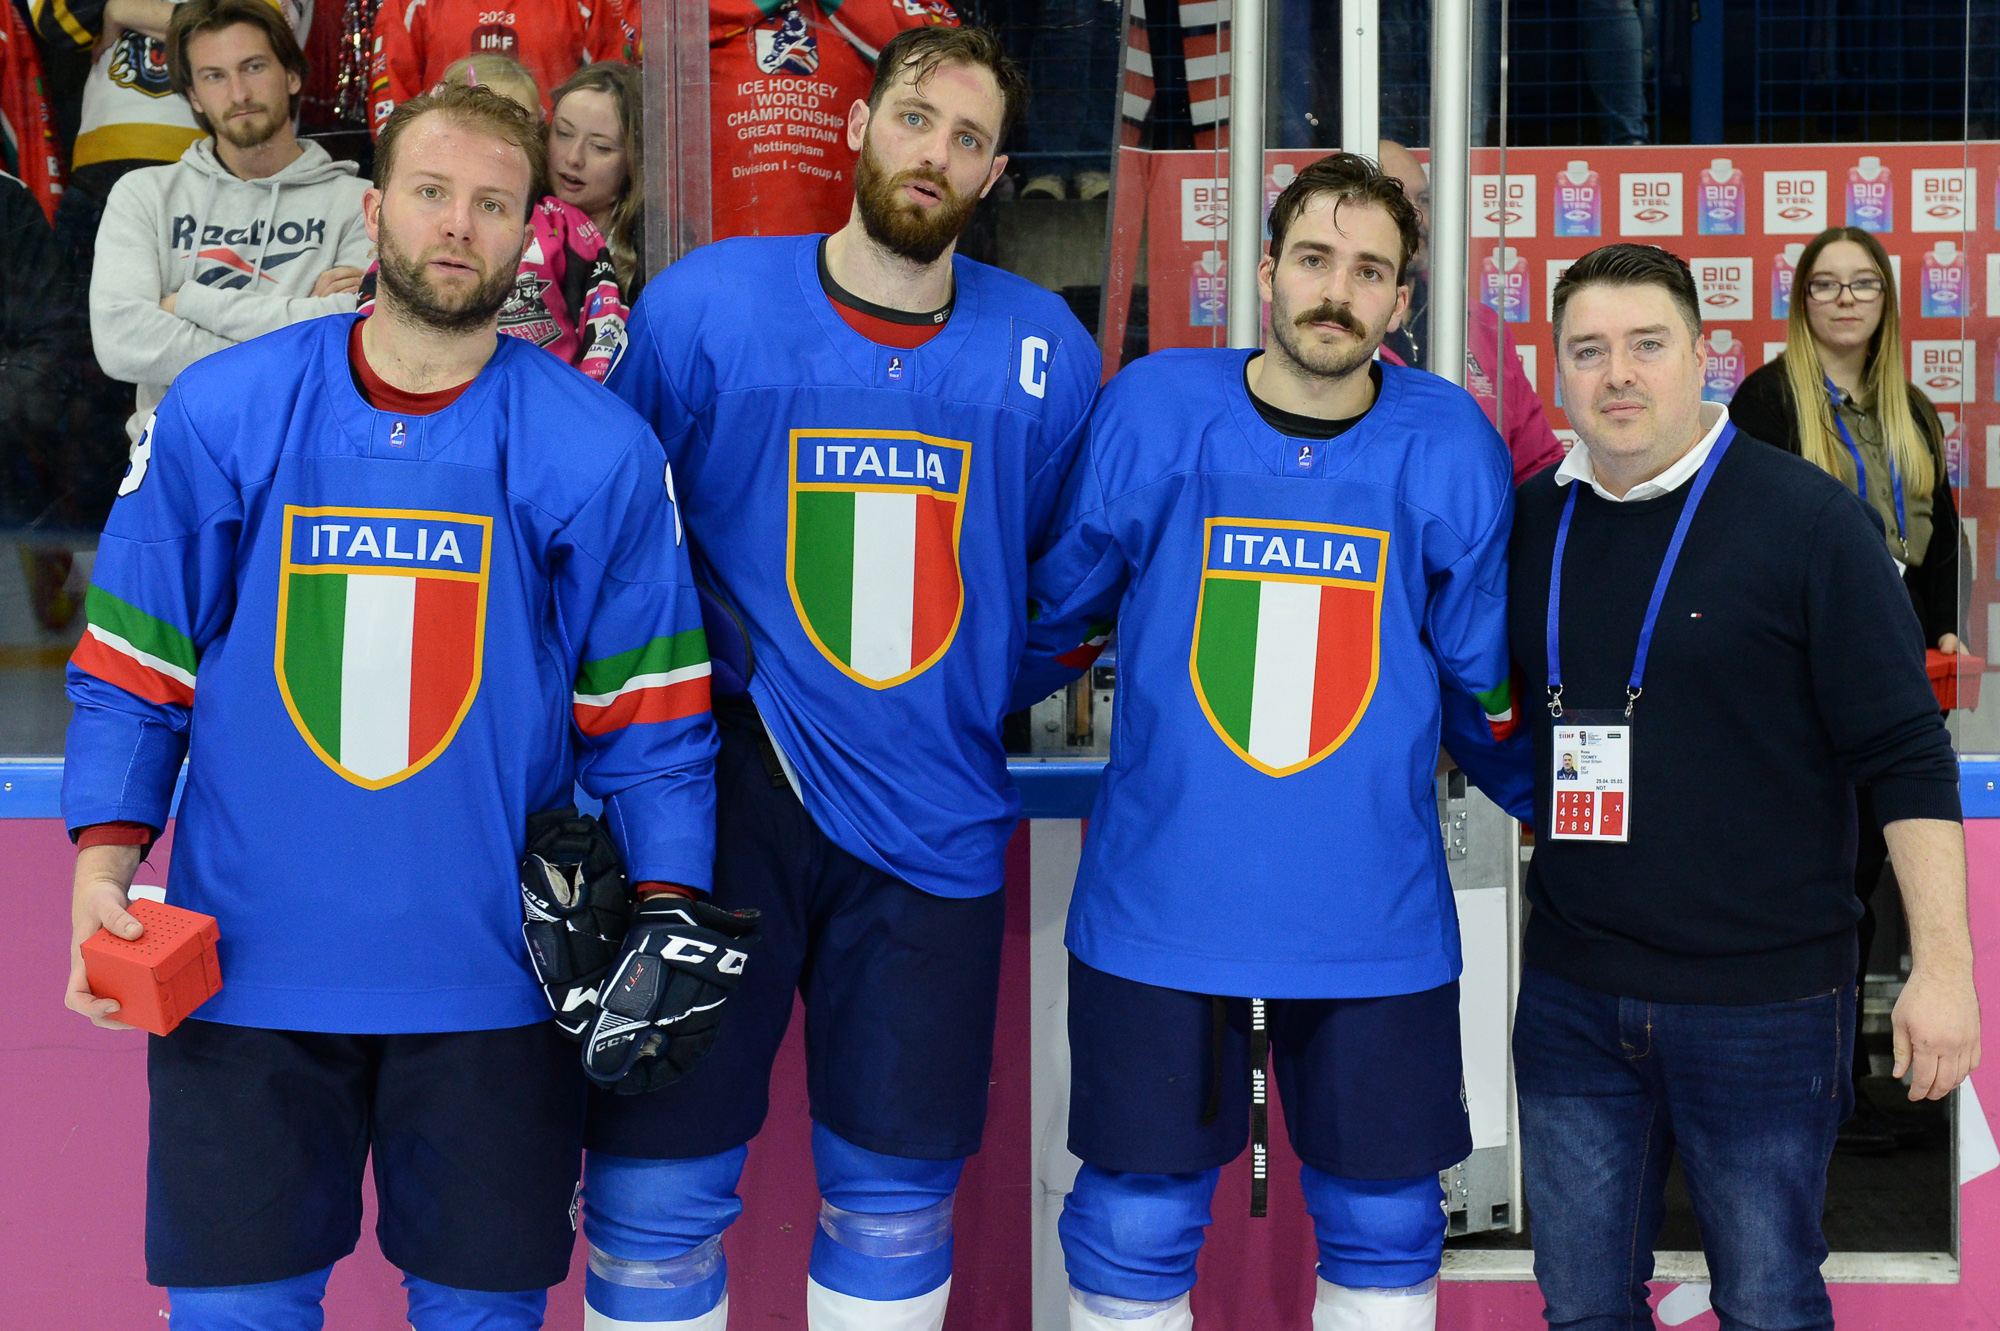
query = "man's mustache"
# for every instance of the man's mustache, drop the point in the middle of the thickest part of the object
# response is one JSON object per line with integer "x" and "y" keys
{"x": 1326, "y": 312}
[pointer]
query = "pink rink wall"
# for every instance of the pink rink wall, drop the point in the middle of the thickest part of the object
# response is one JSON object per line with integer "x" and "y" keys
{"x": 72, "y": 1164}
{"x": 73, "y": 1152}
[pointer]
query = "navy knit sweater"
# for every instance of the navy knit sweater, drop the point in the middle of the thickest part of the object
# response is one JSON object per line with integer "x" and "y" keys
{"x": 1786, "y": 669}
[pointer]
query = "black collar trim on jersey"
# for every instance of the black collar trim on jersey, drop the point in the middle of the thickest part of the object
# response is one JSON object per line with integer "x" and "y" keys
{"x": 840, "y": 295}
{"x": 1308, "y": 427}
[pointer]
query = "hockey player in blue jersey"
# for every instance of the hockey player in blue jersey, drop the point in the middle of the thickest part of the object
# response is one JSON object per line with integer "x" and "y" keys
{"x": 1304, "y": 551}
{"x": 387, "y": 599}
{"x": 870, "y": 435}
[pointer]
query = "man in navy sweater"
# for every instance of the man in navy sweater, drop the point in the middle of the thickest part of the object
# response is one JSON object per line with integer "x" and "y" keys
{"x": 1727, "y": 651}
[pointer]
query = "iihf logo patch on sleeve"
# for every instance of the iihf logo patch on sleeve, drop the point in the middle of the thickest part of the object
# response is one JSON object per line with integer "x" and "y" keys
{"x": 381, "y": 633}
{"x": 872, "y": 558}
{"x": 1287, "y": 636}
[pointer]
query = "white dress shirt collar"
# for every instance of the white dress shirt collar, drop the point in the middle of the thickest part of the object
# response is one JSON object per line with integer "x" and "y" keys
{"x": 1577, "y": 466}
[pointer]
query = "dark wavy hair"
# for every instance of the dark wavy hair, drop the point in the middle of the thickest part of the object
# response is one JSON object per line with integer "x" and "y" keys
{"x": 1629, "y": 266}
{"x": 1349, "y": 178}
{"x": 922, "y": 50}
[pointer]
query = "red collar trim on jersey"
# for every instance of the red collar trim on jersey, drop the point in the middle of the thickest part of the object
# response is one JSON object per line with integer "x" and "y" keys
{"x": 385, "y": 396}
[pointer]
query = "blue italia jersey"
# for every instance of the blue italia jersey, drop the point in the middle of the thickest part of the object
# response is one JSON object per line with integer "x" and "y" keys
{"x": 1287, "y": 612}
{"x": 867, "y": 514}
{"x": 381, "y": 642}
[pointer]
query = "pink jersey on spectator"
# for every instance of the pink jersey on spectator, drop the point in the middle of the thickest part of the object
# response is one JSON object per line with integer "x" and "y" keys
{"x": 1526, "y": 429}
{"x": 565, "y": 297}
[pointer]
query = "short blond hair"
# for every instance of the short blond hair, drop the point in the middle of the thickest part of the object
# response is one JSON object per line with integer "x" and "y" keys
{"x": 502, "y": 73}
{"x": 480, "y": 109}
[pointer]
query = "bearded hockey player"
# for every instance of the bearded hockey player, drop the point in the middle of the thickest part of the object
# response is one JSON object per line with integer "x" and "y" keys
{"x": 1299, "y": 547}
{"x": 370, "y": 578}
{"x": 870, "y": 434}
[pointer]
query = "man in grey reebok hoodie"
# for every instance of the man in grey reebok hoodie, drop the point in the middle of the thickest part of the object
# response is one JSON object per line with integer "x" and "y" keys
{"x": 249, "y": 231}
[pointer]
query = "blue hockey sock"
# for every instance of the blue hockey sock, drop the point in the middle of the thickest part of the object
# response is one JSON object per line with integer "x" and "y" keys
{"x": 1376, "y": 1233}
{"x": 884, "y": 1221}
{"x": 278, "y": 1305}
{"x": 1135, "y": 1236}
{"x": 435, "y": 1307}
{"x": 655, "y": 1230}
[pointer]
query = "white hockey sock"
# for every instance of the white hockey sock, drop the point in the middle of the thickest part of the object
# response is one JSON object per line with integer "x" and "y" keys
{"x": 1101, "y": 1312}
{"x": 830, "y": 1310}
{"x": 715, "y": 1319}
{"x": 1340, "y": 1308}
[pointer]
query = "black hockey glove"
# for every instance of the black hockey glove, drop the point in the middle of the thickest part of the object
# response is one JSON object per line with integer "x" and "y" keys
{"x": 682, "y": 960}
{"x": 575, "y": 907}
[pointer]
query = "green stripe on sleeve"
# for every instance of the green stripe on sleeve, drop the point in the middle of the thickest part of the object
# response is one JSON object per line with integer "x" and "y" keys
{"x": 155, "y": 637}
{"x": 1498, "y": 700}
{"x": 673, "y": 652}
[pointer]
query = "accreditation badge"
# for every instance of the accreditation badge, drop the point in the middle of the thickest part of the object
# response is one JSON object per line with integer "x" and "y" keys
{"x": 1591, "y": 774}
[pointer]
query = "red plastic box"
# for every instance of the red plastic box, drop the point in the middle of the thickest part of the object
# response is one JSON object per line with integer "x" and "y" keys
{"x": 1954, "y": 687}
{"x": 162, "y": 975}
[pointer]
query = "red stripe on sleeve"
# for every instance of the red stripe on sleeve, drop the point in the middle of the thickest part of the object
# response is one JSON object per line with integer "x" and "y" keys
{"x": 669, "y": 703}
{"x": 112, "y": 666}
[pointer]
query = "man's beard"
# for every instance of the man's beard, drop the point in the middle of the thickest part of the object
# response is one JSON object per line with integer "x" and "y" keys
{"x": 919, "y": 235}
{"x": 405, "y": 284}
{"x": 251, "y": 131}
{"x": 1288, "y": 330}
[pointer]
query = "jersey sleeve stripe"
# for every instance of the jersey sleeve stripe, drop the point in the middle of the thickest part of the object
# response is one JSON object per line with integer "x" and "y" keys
{"x": 661, "y": 656}
{"x": 1498, "y": 704}
{"x": 648, "y": 698}
{"x": 1092, "y": 646}
{"x": 143, "y": 634}
{"x": 116, "y": 661}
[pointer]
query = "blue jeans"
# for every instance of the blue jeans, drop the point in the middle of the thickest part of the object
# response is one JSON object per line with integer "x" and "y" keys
{"x": 1751, "y": 1097}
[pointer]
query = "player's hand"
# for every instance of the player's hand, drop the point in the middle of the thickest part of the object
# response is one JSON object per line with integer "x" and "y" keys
{"x": 1950, "y": 645}
{"x": 682, "y": 960}
{"x": 98, "y": 900}
{"x": 167, "y": 301}
{"x": 338, "y": 282}
{"x": 1936, "y": 1024}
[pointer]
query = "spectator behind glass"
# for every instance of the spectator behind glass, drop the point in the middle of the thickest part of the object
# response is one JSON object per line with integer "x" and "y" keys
{"x": 1490, "y": 357}
{"x": 565, "y": 298}
{"x": 250, "y": 231}
{"x": 130, "y": 116}
{"x": 597, "y": 159}
{"x": 415, "y": 43}
{"x": 1844, "y": 360}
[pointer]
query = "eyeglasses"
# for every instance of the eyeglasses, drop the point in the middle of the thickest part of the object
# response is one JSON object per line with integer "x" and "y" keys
{"x": 1865, "y": 290}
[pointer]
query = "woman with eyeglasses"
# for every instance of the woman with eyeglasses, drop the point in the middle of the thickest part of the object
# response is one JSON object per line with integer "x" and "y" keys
{"x": 1840, "y": 398}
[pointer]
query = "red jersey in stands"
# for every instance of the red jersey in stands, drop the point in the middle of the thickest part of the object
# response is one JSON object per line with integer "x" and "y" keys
{"x": 27, "y": 135}
{"x": 415, "y": 40}
{"x": 781, "y": 77}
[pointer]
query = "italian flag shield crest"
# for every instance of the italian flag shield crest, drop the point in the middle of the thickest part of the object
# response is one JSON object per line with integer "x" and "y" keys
{"x": 1287, "y": 639}
{"x": 381, "y": 630}
{"x": 872, "y": 548}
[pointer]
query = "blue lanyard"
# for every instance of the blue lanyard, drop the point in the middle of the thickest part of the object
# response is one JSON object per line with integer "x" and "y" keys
{"x": 1636, "y": 684}
{"x": 1861, "y": 469}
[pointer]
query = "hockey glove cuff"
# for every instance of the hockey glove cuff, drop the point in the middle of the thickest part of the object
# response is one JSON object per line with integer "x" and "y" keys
{"x": 682, "y": 960}
{"x": 575, "y": 907}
